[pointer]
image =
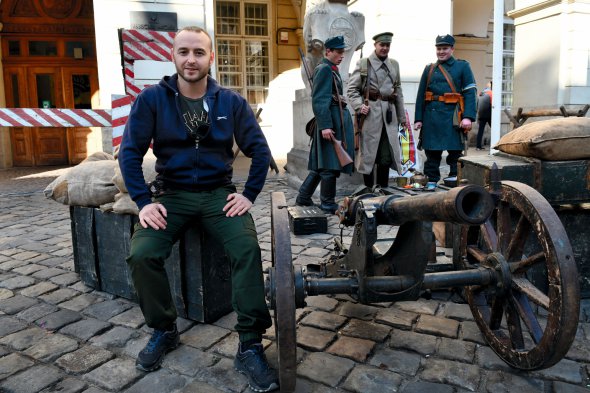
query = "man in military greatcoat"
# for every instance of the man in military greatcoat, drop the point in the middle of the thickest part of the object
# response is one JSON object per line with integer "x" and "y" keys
{"x": 375, "y": 93}
{"x": 333, "y": 121}
{"x": 445, "y": 108}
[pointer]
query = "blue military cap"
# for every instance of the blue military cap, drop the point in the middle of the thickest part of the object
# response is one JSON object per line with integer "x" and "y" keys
{"x": 335, "y": 42}
{"x": 447, "y": 39}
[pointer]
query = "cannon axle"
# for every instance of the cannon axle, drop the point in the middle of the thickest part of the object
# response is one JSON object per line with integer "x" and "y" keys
{"x": 306, "y": 285}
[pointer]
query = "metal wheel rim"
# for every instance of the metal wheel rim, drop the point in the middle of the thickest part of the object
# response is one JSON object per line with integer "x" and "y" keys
{"x": 561, "y": 299}
{"x": 284, "y": 313}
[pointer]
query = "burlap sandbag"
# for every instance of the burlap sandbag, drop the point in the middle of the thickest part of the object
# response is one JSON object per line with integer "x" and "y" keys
{"x": 149, "y": 171}
{"x": 87, "y": 184}
{"x": 552, "y": 140}
{"x": 98, "y": 156}
{"x": 124, "y": 204}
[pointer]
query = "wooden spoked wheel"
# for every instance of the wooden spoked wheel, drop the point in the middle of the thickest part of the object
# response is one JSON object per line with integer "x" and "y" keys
{"x": 281, "y": 292}
{"x": 529, "y": 316}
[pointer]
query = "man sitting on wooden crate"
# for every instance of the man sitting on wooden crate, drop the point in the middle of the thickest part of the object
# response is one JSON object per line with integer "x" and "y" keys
{"x": 193, "y": 122}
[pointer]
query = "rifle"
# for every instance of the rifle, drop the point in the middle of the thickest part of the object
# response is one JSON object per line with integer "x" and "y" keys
{"x": 360, "y": 118}
{"x": 340, "y": 146}
{"x": 305, "y": 67}
{"x": 343, "y": 157}
{"x": 311, "y": 124}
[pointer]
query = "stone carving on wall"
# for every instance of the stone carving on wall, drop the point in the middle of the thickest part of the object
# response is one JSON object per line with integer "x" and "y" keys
{"x": 327, "y": 19}
{"x": 47, "y": 16}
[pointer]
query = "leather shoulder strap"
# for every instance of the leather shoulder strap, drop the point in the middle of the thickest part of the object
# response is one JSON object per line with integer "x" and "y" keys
{"x": 447, "y": 77}
{"x": 340, "y": 110}
{"x": 432, "y": 65}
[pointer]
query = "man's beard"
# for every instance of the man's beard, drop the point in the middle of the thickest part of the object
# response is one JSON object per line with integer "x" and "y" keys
{"x": 196, "y": 78}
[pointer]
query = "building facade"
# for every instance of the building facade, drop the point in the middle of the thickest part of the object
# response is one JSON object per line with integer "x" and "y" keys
{"x": 71, "y": 54}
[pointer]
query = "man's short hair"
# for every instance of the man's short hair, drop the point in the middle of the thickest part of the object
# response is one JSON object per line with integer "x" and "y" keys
{"x": 196, "y": 29}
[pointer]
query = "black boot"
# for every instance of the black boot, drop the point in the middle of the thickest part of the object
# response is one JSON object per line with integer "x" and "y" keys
{"x": 383, "y": 175}
{"x": 307, "y": 189}
{"x": 368, "y": 180}
{"x": 328, "y": 195}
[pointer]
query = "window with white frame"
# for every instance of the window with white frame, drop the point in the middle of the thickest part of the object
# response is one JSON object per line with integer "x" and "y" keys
{"x": 508, "y": 65}
{"x": 242, "y": 34}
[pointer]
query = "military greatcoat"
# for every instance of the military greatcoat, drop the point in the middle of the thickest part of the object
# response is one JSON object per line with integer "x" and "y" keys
{"x": 438, "y": 132}
{"x": 379, "y": 80}
{"x": 327, "y": 113}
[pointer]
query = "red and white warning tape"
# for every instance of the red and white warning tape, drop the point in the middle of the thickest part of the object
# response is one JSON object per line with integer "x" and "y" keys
{"x": 120, "y": 113}
{"x": 36, "y": 117}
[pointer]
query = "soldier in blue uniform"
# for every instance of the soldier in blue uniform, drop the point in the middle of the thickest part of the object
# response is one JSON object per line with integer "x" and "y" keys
{"x": 445, "y": 108}
{"x": 323, "y": 163}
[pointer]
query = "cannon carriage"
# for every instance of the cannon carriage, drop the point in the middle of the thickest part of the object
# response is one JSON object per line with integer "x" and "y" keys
{"x": 511, "y": 258}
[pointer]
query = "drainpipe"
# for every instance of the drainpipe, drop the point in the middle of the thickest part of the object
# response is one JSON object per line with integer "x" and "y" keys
{"x": 497, "y": 57}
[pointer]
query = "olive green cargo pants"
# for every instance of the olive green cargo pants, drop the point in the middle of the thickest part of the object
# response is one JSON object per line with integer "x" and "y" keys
{"x": 150, "y": 248}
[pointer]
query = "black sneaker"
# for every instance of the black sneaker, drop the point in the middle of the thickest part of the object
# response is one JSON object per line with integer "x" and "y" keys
{"x": 162, "y": 341}
{"x": 253, "y": 364}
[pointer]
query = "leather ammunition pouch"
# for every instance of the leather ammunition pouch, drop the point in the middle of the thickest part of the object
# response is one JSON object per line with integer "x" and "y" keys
{"x": 447, "y": 98}
{"x": 375, "y": 95}
{"x": 335, "y": 100}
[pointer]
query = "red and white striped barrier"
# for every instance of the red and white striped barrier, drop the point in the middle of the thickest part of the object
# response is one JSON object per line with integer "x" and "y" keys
{"x": 36, "y": 117}
{"x": 164, "y": 38}
{"x": 144, "y": 45}
{"x": 137, "y": 45}
{"x": 120, "y": 113}
{"x": 130, "y": 87}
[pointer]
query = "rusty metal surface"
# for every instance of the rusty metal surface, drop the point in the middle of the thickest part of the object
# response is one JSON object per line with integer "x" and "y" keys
{"x": 530, "y": 316}
{"x": 283, "y": 293}
{"x": 470, "y": 204}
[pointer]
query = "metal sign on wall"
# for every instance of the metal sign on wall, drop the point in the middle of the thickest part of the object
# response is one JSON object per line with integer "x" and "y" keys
{"x": 147, "y": 20}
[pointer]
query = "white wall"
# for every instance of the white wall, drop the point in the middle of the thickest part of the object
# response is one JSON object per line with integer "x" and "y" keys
{"x": 471, "y": 17}
{"x": 414, "y": 26}
{"x": 555, "y": 70}
{"x": 111, "y": 15}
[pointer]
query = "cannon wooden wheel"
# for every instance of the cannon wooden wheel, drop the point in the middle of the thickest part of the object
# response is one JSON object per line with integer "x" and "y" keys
{"x": 282, "y": 293}
{"x": 529, "y": 316}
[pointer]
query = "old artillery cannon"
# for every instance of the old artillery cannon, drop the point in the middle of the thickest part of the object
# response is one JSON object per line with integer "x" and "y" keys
{"x": 507, "y": 233}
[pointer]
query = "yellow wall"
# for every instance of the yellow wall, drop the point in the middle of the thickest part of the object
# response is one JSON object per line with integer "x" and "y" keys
{"x": 287, "y": 56}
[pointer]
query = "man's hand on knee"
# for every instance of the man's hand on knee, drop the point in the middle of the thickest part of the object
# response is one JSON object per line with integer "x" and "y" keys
{"x": 237, "y": 204}
{"x": 153, "y": 215}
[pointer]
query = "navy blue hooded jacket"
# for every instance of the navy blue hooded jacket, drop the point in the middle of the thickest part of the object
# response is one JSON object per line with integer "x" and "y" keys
{"x": 181, "y": 163}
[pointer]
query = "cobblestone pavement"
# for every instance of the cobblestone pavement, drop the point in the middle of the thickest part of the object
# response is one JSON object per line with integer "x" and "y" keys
{"x": 59, "y": 335}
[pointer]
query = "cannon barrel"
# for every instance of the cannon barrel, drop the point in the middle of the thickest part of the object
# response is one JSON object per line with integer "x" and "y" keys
{"x": 470, "y": 204}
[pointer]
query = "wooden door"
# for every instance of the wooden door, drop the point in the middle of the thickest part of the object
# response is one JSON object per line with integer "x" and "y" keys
{"x": 46, "y": 91}
{"x": 80, "y": 85}
{"x": 16, "y": 92}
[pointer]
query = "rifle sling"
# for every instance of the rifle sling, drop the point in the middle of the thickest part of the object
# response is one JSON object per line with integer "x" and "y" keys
{"x": 340, "y": 110}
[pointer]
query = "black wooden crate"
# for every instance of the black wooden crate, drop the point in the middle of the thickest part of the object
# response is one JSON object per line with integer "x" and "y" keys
{"x": 84, "y": 245}
{"x": 206, "y": 276}
{"x": 560, "y": 182}
{"x": 563, "y": 183}
{"x": 305, "y": 220}
{"x": 113, "y": 241}
{"x": 199, "y": 277}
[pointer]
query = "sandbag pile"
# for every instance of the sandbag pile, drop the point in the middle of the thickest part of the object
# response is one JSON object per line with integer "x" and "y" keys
{"x": 97, "y": 182}
{"x": 123, "y": 203}
{"x": 87, "y": 184}
{"x": 559, "y": 139}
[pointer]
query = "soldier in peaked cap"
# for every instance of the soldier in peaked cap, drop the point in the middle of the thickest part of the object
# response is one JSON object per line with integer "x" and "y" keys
{"x": 375, "y": 93}
{"x": 332, "y": 121}
{"x": 335, "y": 42}
{"x": 445, "y": 108}
{"x": 383, "y": 37}
{"x": 445, "y": 40}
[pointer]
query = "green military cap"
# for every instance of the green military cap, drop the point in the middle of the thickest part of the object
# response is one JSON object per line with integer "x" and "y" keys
{"x": 383, "y": 37}
{"x": 335, "y": 42}
{"x": 443, "y": 40}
